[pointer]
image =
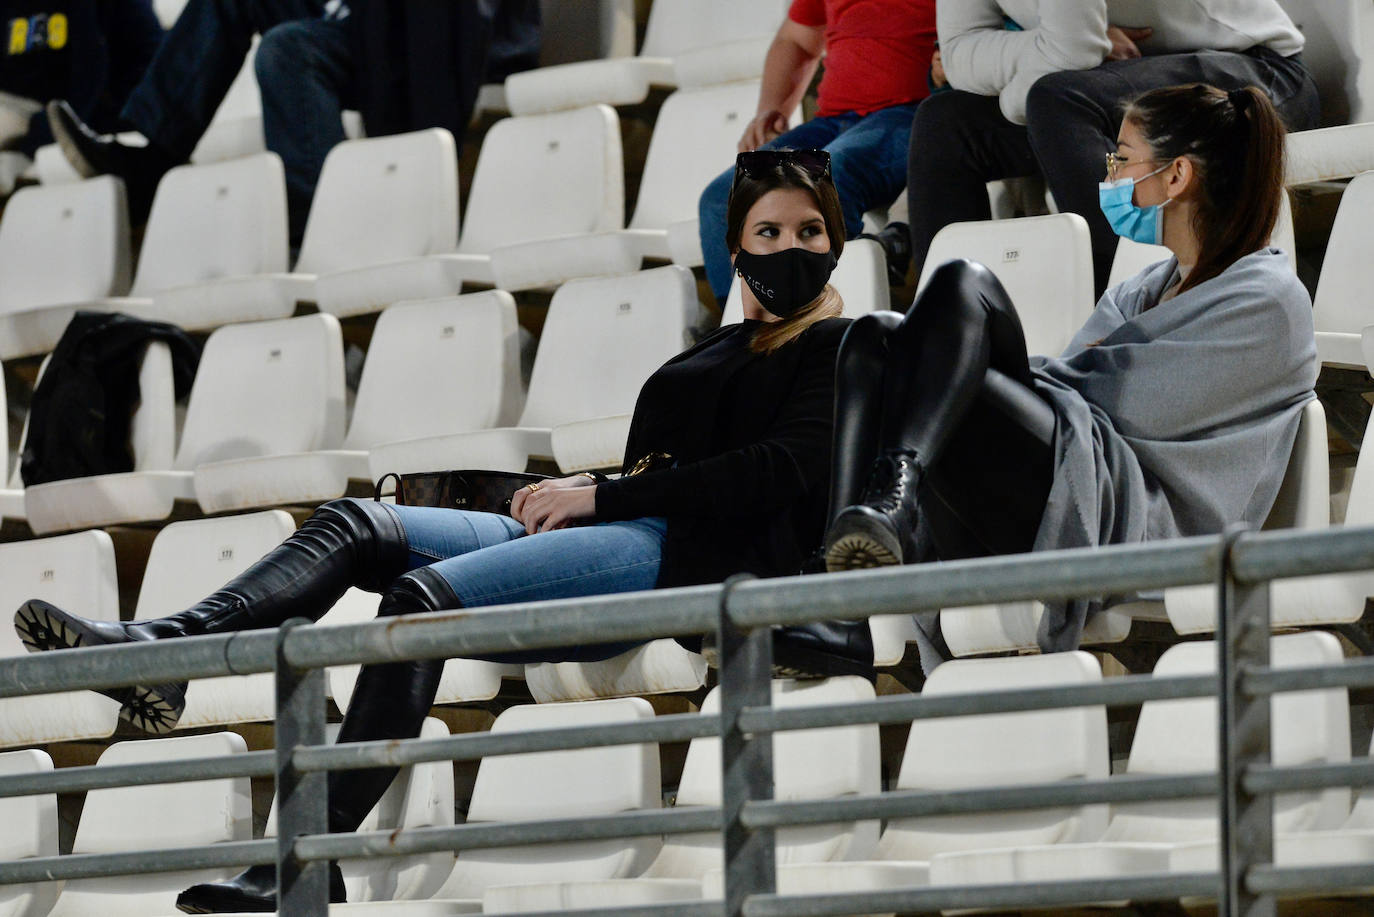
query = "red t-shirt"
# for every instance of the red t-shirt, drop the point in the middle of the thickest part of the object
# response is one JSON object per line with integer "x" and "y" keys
{"x": 877, "y": 52}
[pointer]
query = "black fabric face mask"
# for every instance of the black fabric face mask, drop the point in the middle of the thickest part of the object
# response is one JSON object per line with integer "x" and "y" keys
{"x": 785, "y": 281}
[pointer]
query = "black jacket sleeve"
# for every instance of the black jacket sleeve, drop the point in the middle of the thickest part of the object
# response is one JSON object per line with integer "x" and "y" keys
{"x": 790, "y": 458}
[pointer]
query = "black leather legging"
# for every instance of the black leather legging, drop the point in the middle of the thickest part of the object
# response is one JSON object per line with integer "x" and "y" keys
{"x": 950, "y": 382}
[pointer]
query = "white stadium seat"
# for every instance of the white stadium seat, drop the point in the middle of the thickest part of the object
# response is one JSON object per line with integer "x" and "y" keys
{"x": 156, "y": 817}
{"x": 657, "y": 667}
{"x": 466, "y": 350}
{"x": 539, "y": 180}
{"x": 860, "y": 278}
{"x": 295, "y": 365}
{"x": 694, "y": 138}
{"x": 190, "y": 560}
{"x": 985, "y": 750}
{"x": 710, "y": 30}
{"x": 420, "y": 796}
{"x": 71, "y": 571}
{"x": 1340, "y": 308}
{"x": 808, "y": 764}
{"x": 59, "y": 246}
{"x": 1044, "y": 262}
{"x": 152, "y": 431}
{"x": 603, "y": 337}
{"x": 385, "y": 211}
{"x": 214, "y": 252}
{"x": 30, "y": 831}
{"x": 1180, "y": 737}
{"x": 575, "y": 783}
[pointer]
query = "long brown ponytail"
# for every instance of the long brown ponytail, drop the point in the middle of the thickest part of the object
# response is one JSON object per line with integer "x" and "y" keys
{"x": 1236, "y": 143}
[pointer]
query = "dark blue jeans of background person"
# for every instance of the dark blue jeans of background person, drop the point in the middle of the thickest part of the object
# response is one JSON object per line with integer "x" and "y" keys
{"x": 867, "y": 164}
{"x": 960, "y": 141}
{"x": 305, "y": 72}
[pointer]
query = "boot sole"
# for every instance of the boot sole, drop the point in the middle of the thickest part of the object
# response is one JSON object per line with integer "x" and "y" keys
{"x": 69, "y": 146}
{"x": 860, "y": 551}
{"x": 154, "y": 709}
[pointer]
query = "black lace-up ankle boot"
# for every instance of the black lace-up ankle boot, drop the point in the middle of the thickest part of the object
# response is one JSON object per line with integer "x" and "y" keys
{"x": 878, "y": 532}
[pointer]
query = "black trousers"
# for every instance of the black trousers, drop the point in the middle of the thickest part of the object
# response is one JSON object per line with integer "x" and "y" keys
{"x": 950, "y": 382}
{"x": 960, "y": 141}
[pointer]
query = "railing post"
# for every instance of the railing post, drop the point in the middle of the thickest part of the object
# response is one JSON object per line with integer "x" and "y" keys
{"x": 302, "y": 888}
{"x": 1246, "y": 821}
{"x": 746, "y": 667}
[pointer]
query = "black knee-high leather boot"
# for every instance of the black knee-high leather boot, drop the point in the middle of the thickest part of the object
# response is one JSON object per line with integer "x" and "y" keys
{"x": 345, "y": 543}
{"x": 390, "y": 701}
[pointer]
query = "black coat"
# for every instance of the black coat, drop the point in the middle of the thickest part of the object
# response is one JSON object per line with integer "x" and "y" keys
{"x": 750, "y": 438}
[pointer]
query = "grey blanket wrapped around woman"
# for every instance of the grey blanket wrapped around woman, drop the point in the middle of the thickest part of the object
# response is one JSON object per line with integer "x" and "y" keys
{"x": 1174, "y": 418}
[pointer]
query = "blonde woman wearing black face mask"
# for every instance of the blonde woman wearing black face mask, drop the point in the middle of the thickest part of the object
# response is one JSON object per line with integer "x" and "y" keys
{"x": 726, "y": 471}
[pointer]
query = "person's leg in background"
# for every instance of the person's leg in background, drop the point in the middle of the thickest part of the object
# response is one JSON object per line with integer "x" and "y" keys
{"x": 959, "y": 142}
{"x": 1073, "y": 118}
{"x": 814, "y": 134}
{"x": 868, "y": 166}
{"x": 178, "y": 95}
{"x": 306, "y": 75}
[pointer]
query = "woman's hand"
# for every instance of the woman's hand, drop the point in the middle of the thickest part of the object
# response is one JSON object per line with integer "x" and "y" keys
{"x": 554, "y": 504}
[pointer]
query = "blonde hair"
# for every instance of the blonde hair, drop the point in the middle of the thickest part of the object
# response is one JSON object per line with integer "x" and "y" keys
{"x": 772, "y": 335}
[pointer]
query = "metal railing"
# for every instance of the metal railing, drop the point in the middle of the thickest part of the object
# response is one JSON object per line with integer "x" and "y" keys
{"x": 741, "y": 611}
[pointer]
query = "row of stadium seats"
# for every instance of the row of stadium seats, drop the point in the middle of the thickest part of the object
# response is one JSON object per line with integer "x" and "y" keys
{"x": 1172, "y": 737}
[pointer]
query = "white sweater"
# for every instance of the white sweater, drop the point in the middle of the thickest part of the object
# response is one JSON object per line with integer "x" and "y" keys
{"x": 981, "y": 56}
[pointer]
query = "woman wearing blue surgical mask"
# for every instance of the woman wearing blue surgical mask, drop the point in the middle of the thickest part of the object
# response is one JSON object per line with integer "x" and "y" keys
{"x": 1171, "y": 413}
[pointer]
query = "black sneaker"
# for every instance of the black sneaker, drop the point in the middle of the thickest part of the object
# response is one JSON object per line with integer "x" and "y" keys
{"x": 821, "y": 649}
{"x": 92, "y": 154}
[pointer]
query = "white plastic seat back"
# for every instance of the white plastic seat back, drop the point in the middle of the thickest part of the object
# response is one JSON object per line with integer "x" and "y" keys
{"x": 420, "y": 796}
{"x": 266, "y": 388}
{"x": 560, "y": 784}
{"x": 1002, "y": 749}
{"x": 807, "y": 764}
{"x": 1339, "y": 52}
{"x": 383, "y": 199}
{"x": 188, "y": 561}
{"x": 694, "y": 138}
{"x": 1180, "y": 737}
{"x": 467, "y": 351}
{"x": 1341, "y": 305}
{"x": 604, "y": 336}
{"x": 158, "y": 816}
{"x": 1045, "y": 264}
{"x": 30, "y": 831}
{"x": 75, "y": 572}
{"x": 676, "y": 26}
{"x": 860, "y": 277}
{"x": 226, "y": 219}
{"x": 65, "y": 243}
{"x": 547, "y": 175}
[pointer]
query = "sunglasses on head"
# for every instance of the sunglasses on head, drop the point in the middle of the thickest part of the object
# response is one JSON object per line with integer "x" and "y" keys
{"x": 758, "y": 163}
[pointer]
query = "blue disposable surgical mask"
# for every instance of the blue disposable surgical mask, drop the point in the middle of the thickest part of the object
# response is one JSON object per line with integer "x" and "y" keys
{"x": 1139, "y": 224}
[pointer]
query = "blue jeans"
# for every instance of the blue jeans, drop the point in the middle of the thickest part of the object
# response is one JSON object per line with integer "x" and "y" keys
{"x": 487, "y": 559}
{"x": 867, "y": 164}
{"x": 304, "y": 67}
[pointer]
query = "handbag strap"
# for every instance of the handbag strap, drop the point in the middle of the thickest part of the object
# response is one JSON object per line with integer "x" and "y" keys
{"x": 399, "y": 493}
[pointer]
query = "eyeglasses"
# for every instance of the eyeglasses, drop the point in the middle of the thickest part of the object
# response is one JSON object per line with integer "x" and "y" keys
{"x": 1116, "y": 163}
{"x": 758, "y": 163}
